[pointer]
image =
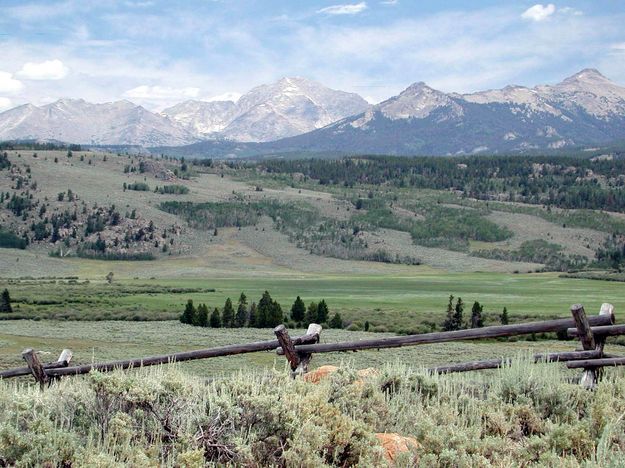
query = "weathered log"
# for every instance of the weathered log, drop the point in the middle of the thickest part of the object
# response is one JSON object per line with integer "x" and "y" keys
{"x": 596, "y": 363}
{"x": 604, "y": 331}
{"x": 496, "y": 363}
{"x": 584, "y": 332}
{"x": 587, "y": 340}
{"x": 63, "y": 361}
{"x": 304, "y": 358}
{"x": 21, "y": 371}
{"x": 457, "y": 335}
{"x": 287, "y": 345}
{"x": 65, "y": 357}
{"x": 178, "y": 357}
{"x": 606, "y": 309}
{"x": 35, "y": 366}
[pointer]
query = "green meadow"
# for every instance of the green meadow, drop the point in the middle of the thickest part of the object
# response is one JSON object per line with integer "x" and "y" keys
{"x": 396, "y": 302}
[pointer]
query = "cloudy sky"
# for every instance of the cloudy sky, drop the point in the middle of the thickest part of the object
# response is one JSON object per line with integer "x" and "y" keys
{"x": 157, "y": 53}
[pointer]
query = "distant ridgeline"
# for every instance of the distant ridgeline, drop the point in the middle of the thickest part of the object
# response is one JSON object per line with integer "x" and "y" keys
{"x": 38, "y": 146}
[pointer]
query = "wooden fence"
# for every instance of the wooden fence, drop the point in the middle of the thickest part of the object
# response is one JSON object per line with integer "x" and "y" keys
{"x": 591, "y": 331}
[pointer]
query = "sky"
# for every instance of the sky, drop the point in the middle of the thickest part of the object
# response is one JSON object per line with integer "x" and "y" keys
{"x": 158, "y": 53}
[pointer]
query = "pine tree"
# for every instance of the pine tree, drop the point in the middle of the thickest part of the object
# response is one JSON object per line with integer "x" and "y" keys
{"x": 215, "y": 320}
{"x": 253, "y": 318}
{"x": 337, "y": 321}
{"x": 311, "y": 313}
{"x": 263, "y": 310}
{"x": 227, "y": 315}
{"x": 504, "y": 317}
{"x": 275, "y": 316}
{"x": 241, "y": 316}
{"x": 476, "y": 315}
{"x": 5, "y": 302}
{"x": 188, "y": 316}
{"x": 458, "y": 318}
{"x": 202, "y": 315}
{"x": 298, "y": 310}
{"x": 448, "y": 324}
{"x": 322, "y": 312}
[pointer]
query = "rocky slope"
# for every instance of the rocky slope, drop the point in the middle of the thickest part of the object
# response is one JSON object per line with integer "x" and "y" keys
{"x": 78, "y": 121}
{"x": 288, "y": 107}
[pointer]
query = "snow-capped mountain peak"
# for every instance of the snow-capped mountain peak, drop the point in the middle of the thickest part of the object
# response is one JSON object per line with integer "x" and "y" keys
{"x": 287, "y": 107}
{"x": 78, "y": 121}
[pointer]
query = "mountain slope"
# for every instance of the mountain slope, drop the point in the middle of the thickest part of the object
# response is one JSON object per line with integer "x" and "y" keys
{"x": 584, "y": 109}
{"x": 288, "y": 107}
{"x": 78, "y": 121}
{"x": 202, "y": 118}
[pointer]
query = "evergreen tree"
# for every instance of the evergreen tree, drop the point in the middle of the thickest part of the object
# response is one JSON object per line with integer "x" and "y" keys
{"x": 275, "y": 316}
{"x": 269, "y": 313}
{"x": 5, "y": 302}
{"x": 367, "y": 325}
{"x": 311, "y": 313}
{"x": 263, "y": 310}
{"x": 202, "y": 315}
{"x": 337, "y": 321}
{"x": 322, "y": 312}
{"x": 215, "y": 320}
{"x": 241, "y": 316}
{"x": 458, "y": 318}
{"x": 476, "y": 315}
{"x": 227, "y": 315}
{"x": 253, "y": 318}
{"x": 504, "y": 317}
{"x": 188, "y": 316}
{"x": 448, "y": 324}
{"x": 298, "y": 310}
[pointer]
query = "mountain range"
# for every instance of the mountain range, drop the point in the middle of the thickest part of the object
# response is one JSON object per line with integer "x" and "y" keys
{"x": 296, "y": 115}
{"x": 289, "y": 107}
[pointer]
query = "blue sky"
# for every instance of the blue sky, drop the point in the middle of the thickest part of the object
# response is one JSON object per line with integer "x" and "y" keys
{"x": 157, "y": 53}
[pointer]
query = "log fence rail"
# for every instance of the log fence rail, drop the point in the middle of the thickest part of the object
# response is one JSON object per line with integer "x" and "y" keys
{"x": 591, "y": 331}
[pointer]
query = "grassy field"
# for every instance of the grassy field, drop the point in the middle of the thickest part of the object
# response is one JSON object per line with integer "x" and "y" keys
{"x": 397, "y": 302}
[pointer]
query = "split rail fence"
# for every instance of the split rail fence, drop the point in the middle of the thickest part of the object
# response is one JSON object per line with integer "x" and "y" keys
{"x": 591, "y": 331}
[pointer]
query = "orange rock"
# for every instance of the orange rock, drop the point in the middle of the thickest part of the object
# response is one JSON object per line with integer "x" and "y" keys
{"x": 319, "y": 374}
{"x": 368, "y": 372}
{"x": 395, "y": 444}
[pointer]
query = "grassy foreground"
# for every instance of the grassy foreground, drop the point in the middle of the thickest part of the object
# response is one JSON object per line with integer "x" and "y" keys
{"x": 523, "y": 415}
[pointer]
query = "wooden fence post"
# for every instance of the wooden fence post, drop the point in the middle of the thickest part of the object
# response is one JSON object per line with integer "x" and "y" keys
{"x": 606, "y": 309}
{"x": 304, "y": 358}
{"x": 65, "y": 357}
{"x": 586, "y": 338}
{"x": 288, "y": 346}
{"x": 297, "y": 360}
{"x": 35, "y": 366}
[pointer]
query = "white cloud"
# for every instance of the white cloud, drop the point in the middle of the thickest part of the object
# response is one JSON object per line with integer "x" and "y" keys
{"x": 47, "y": 70}
{"x": 348, "y": 9}
{"x": 8, "y": 84}
{"x": 161, "y": 93}
{"x": 389, "y": 2}
{"x": 5, "y": 103}
{"x": 228, "y": 96}
{"x": 570, "y": 11}
{"x": 539, "y": 12}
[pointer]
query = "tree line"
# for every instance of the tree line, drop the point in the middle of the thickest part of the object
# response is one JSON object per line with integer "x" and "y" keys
{"x": 562, "y": 181}
{"x": 267, "y": 313}
{"x": 454, "y": 319}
